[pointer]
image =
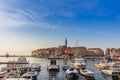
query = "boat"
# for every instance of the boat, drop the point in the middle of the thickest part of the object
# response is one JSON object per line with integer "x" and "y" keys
{"x": 35, "y": 67}
{"x": 23, "y": 67}
{"x": 65, "y": 67}
{"x": 72, "y": 74}
{"x": 87, "y": 73}
{"x": 102, "y": 65}
{"x": 12, "y": 74}
{"x": 111, "y": 71}
{"x": 32, "y": 75}
{"x": 79, "y": 63}
{"x": 16, "y": 79}
{"x": 3, "y": 69}
{"x": 53, "y": 64}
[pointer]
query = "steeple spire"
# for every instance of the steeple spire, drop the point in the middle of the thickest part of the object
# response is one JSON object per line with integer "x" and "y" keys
{"x": 66, "y": 42}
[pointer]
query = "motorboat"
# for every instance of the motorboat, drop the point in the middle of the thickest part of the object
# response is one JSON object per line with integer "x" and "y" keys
{"x": 23, "y": 67}
{"x": 3, "y": 69}
{"x": 36, "y": 66}
{"x": 53, "y": 64}
{"x": 87, "y": 73}
{"x": 111, "y": 71}
{"x": 12, "y": 74}
{"x": 16, "y": 79}
{"x": 65, "y": 67}
{"x": 32, "y": 75}
{"x": 72, "y": 74}
{"x": 79, "y": 63}
{"x": 102, "y": 65}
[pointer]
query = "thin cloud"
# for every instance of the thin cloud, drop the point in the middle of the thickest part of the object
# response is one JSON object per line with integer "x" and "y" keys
{"x": 15, "y": 17}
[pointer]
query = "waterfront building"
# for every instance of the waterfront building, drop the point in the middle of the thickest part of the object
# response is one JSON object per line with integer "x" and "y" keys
{"x": 78, "y": 51}
{"x": 118, "y": 51}
{"x": 112, "y": 52}
{"x": 97, "y": 51}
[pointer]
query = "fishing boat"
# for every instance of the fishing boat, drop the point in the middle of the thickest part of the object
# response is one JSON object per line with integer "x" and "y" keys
{"x": 87, "y": 73}
{"x": 72, "y": 74}
{"x": 53, "y": 64}
{"x": 79, "y": 63}
{"x": 32, "y": 75}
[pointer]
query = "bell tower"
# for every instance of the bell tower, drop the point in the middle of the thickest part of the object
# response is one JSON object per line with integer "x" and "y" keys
{"x": 66, "y": 42}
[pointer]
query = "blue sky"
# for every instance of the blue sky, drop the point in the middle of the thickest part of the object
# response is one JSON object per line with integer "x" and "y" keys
{"x": 26, "y": 25}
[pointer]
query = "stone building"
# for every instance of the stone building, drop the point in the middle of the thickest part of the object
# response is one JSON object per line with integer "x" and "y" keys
{"x": 97, "y": 51}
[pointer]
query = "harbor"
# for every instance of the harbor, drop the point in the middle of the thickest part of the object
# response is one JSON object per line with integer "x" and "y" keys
{"x": 45, "y": 74}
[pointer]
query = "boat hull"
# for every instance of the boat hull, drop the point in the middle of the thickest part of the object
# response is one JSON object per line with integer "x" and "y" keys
{"x": 87, "y": 73}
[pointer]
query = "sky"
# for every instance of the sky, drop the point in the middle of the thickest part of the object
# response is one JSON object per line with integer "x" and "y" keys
{"x": 27, "y": 25}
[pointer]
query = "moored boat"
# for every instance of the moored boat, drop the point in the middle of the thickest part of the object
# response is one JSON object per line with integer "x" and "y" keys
{"x": 79, "y": 63}
{"x": 87, "y": 73}
{"x": 3, "y": 69}
{"x": 72, "y": 74}
{"x": 23, "y": 67}
{"x": 53, "y": 64}
{"x": 111, "y": 71}
{"x": 32, "y": 75}
{"x": 102, "y": 65}
{"x": 65, "y": 67}
{"x": 16, "y": 79}
{"x": 36, "y": 67}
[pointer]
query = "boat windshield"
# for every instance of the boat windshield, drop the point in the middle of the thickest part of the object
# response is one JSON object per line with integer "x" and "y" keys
{"x": 53, "y": 62}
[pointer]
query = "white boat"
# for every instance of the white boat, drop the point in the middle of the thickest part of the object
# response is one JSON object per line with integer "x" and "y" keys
{"x": 53, "y": 64}
{"x": 23, "y": 67}
{"x": 10, "y": 75}
{"x": 111, "y": 71}
{"x": 36, "y": 67}
{"x": 65, "y": 67}
{"x": 3, "y": 69}
{"x": 72, "y": 74}
{"x": 79, "y": 63}
{"x": 102, "y": 65}
{"x": 87, "y": 73}
{"x": 32, "y": 75}
{"x": 16, "y": 79}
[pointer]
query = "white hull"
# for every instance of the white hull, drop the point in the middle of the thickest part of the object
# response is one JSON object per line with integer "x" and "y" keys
{"x": 110, "y": 72}
{"x": 53, "y": 67}
{"x": 87, "y": 73}
{"x": 17, "y": 79}
{"x": 79, "y": 63}
{"x": 53, "y": 64}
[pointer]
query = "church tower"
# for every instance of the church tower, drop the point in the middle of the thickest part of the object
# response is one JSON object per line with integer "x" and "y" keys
{"x": 66, "y": 42}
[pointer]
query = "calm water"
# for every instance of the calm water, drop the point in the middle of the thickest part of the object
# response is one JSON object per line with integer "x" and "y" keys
{"x": 45, "y": 75}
